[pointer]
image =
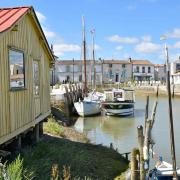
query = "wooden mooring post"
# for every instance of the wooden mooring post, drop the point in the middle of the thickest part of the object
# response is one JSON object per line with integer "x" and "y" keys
{"x": 144, "y": 141}
{"x": 141, "y": 144}
{"x": 134, "y": 164}
{"x": 173, "y": 89}
{"x": 157, "y": 91}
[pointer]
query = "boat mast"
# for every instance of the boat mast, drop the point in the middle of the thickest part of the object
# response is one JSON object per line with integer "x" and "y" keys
{"x": 84, "y": 55}
{"x": 93, "y": 58}
{"x": 173, "y": 154}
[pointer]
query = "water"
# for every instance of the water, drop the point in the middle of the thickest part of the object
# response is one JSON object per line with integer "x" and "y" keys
{"x": 122, "y": 132}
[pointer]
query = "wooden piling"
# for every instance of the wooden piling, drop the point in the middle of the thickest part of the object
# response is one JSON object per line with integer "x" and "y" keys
{"x": 67, "y": 101}
{"x": 37, "y": 132}
{"x": 157, "y": 91}
{"x": 19, "y": 142}
{"x": 40, "y": 129}
{"x": 173, "y": 88}
{"x": 146, "y": 110}
{"x": 153, "y": 113}
{"x": 141, "y": 144}
{"x": 146, "y": 141}
{"x": 134, "y": 164}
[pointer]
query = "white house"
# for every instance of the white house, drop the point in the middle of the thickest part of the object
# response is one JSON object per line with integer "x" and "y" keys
{"x": 175, "y": 72}
{"x": 142, "y": 70}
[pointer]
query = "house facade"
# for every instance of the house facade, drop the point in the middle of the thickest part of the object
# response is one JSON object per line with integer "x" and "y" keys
{"x": 25, "y": 59}
{"x": 160, "y": 72}
{"x": 142, "y": 70}
{"x": 116, "y": 71}
{"x": 106, "y": 71}
{"x": 175, "y": 71}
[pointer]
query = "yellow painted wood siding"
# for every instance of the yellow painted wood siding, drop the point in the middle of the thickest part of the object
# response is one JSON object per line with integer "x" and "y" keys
{"x": 17, "y": 108}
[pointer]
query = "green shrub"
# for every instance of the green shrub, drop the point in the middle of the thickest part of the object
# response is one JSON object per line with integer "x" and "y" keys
{"x": 15, "y": 171}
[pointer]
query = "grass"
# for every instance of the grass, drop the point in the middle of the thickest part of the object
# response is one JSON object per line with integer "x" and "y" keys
{"x": 84, "y": 160}
{"x": 52, "y": 127}
{"x": 66, "y": 158}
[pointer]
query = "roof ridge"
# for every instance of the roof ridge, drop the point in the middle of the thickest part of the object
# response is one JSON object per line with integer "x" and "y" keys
{"x": 18, "y": 7}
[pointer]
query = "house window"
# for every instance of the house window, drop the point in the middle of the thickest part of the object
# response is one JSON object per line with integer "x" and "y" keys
{"x": 123, "y": 65}
{"x": 68, "y": 68}
{"x": 143, "y": 69}
{"x": 36, "y": 83}
{"x": 178, "y": 67}
{"x": 137, "y": 69}
{"x": 149, "y": 69}
{"x": 110, "y": 65}
{"x": 16, "y": 66}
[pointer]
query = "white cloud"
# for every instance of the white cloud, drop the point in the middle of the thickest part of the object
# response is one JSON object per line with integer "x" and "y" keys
{"x": 48, "y": 33}
{"x": 147, "y": 48}
{"x": 119, "y": 48}
{"x": 125, "y": 40}
{"x": 41, "y": 17}
{"x": 146, "y": 38}
{"x": 60, "y": 49}
{"x": 174, "y": 34}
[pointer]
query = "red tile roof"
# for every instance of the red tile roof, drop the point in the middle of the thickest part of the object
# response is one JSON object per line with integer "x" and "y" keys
{"x": 9, "y": 16}
{"x": 159, "y": 65}
{"x": 77, "y": 62}
{"x": 142, "y": 62}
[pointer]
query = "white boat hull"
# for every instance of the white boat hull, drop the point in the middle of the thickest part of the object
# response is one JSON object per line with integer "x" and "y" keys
{"x": 87, "y": 108}
{"x": 118, "y": 108}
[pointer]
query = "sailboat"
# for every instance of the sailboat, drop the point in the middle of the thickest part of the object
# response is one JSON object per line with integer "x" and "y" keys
{"x": 88, "y": 106}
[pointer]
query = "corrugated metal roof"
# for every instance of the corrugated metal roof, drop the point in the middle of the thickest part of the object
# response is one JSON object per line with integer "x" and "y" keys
{"x": 9, "y": 16}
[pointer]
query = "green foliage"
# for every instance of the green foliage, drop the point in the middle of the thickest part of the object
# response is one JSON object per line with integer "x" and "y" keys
{"x": 15, "y": 171}
{"x": 53, "y": 127}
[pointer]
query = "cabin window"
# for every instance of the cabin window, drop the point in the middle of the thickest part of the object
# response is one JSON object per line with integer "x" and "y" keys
{"x": 36, "y": 80}
{"x": 16, "y": 66}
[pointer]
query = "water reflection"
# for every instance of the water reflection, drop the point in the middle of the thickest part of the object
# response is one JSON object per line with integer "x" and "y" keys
{"x": 122, "y": 131}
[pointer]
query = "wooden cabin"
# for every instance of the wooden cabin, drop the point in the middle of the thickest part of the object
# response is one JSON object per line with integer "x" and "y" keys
{"x": 25, "y": 60}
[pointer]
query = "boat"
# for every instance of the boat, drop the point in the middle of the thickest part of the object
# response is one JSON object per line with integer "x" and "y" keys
{"x": 162, "y": 171}
{"x": 88, "y": 106}
{"x": 118, "y": 102}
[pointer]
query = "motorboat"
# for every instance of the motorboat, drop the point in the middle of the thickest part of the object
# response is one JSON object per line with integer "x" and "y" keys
{"x": 118, "y": 102}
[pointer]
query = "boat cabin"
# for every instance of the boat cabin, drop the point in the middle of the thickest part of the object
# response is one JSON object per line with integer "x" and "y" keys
{"x": 123, "y": 95}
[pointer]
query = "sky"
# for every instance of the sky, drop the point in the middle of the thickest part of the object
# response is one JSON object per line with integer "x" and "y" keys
{"x": 123, "y": 28}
